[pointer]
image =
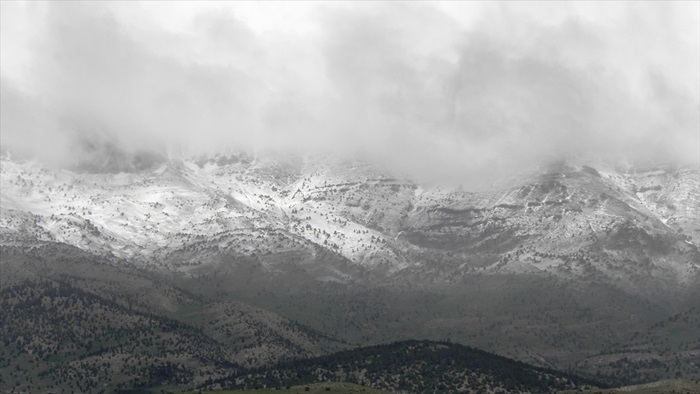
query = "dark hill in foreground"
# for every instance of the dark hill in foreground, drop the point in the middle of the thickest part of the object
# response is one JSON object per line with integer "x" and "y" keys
{"x": 413, "y": 366}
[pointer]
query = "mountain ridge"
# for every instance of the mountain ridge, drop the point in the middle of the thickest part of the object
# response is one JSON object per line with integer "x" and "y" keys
{"x": 554, "y": 268}
{"x": 363, "y": 216}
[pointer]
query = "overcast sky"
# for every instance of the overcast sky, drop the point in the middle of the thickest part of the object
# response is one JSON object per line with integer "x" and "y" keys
{"x": 448, "y": 89}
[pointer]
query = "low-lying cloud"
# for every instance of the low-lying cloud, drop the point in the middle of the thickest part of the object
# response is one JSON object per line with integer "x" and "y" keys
{"x": 445, "y": 90}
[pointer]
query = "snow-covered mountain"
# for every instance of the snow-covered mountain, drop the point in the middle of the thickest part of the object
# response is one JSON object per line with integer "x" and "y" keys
{"x": 555, "y": 267}
{"x": 567, "y": 220}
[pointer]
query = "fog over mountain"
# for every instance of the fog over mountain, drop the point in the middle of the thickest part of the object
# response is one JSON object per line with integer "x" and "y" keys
{"x": 373, "y": 196}
{"x": 458, "y": 88}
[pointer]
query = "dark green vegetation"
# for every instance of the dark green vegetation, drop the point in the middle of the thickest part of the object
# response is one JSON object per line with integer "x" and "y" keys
{"x": 57, "y": 337}
{"x": 72, "y": 323}
{"x": 412, "y": 366}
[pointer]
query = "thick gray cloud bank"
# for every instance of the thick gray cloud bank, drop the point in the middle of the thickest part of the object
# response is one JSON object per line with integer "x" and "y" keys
{"x": 437, "y": 89}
